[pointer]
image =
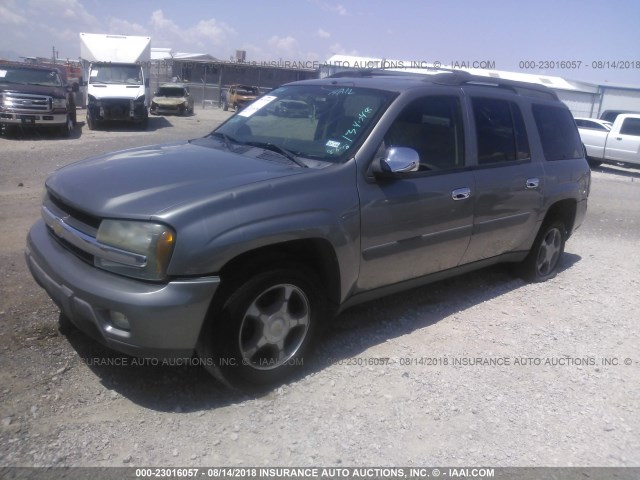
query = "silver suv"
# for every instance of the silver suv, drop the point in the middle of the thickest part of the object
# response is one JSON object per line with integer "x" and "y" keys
{"x": 239, "y": 246}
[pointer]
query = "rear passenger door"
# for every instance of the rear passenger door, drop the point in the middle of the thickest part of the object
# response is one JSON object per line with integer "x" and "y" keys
{"x": 509, "y": 184}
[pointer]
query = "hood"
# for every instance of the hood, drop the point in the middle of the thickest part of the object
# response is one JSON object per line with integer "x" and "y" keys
{"x": 113, "y": 90}
{"x": 169, "y": 100}
{"x": 149, "y": 181}
{"x": 55, "y": 92}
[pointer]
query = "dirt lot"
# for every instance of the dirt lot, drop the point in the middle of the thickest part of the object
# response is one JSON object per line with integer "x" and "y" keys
{"x": 483, "y": 369}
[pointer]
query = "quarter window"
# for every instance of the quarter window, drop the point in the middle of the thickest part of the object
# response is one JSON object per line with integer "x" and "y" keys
{"x": 500, "y": 131}
{"x": 558, "y": 134}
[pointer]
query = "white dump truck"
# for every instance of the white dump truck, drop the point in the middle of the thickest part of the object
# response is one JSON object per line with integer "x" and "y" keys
{"x": 116, "y": 76}
{"x": 617, "y": 143}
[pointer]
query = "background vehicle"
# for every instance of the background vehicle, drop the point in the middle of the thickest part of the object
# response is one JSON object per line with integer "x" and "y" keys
{"x": 116, "y": 73}
{"x": 618, "y": 142}
{"x": 291, "y": 108}
{"x": 36, "y": 96}
{"x": 239, "y": 96}
{"x": 611, "y": 115}
{"x": 241, "y": 245}
{"x": 172, "y": 98}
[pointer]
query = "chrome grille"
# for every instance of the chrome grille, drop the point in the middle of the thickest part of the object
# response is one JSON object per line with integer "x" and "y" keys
{"x": 27, "y": 102}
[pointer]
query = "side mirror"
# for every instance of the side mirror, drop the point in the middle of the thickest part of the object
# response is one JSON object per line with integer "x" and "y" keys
{"x": 396, "y": 161}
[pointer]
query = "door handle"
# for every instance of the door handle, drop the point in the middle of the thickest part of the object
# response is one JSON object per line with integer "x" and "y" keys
{"x": 461, "y": 193}
{"x": 533, "y": 183}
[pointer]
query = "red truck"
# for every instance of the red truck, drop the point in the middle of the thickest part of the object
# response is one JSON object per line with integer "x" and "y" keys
{"x": 36, "y": 95}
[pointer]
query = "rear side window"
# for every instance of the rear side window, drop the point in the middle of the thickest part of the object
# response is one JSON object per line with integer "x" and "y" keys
{"x": 558, "y": 133}
{"x": 630, "y": 126}
{"x": 500, "y": 130}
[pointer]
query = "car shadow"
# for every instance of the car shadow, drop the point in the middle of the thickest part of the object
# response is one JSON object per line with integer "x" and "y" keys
{"x": 42, "y": 133}
{"x": 619, "y": 170}
{"x": 154, "y": 123}
{"x": 164, "y": 386}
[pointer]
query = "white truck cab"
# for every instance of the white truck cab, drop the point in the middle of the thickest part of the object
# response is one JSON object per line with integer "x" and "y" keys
{"x": 116, "y": 71}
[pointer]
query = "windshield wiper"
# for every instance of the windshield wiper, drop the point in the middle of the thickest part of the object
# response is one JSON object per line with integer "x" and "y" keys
{"x": 278, "y": 149}
{"x": 226, "y": 138}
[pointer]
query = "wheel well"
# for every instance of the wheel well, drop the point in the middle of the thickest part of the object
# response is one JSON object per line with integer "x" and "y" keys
{"x": 316, "y": 254}
{"x": 565, "y": 211}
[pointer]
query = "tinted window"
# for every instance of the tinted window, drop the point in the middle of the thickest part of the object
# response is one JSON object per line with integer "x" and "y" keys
{"x": 500, "y": 130}
{"x": 557, "y": 131}
{"x": 630, "y": 126}
{"x": 590, "y": 124}
{"x": 432, "y": 126}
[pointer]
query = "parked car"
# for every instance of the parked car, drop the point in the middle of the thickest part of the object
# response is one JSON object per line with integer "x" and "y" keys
{"x": 239, "y": 96}
{"x": 173, "y": 98}
{"x": 241, "y": 245}
{"x": 34, "y": 95}
{"x": 291, "y": 108}
{"x": 617, "y": 142}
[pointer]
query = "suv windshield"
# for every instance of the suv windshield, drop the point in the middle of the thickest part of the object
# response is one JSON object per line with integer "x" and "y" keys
{"x": 171, "y": 92}
{"x": 311, "y": 121}
{"x": 30, "y": 76}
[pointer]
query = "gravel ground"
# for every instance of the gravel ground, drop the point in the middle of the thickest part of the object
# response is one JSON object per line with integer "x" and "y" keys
{"x": 483, "y": 369}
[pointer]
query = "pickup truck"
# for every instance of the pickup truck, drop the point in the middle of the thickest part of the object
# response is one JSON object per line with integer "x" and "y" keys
{"x": 239, "y": 96}
{"x": 617, "y": 143}
{"x": 36, "y": 96}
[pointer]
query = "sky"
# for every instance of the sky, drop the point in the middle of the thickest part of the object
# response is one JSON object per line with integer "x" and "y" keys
{"x": 599, "y": 40}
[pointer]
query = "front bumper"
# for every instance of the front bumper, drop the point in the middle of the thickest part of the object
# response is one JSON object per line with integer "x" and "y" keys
{"x": 165, "y": 319}
{"x": 33, "y": 119}
{"x": 117, "y": 109}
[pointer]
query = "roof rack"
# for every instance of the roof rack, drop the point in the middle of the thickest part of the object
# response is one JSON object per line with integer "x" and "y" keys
{"x": 450, "y": 76}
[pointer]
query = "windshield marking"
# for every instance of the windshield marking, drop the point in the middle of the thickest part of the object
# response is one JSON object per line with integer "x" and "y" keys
{"x": 362, "y": 116}
{"x": 342, "y": 91}
{"x": 257, "y": 105}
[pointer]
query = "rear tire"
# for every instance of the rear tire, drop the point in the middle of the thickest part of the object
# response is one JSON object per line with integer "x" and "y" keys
{"x": 594, "y": 163}
{"x": 545, "y": 256}
{"x": 263, "y": 331}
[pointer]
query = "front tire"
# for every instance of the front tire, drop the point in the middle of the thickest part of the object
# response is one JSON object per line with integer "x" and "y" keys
{"x": 264, "y": 330}
{"x": 545, "y": 256}
{"x": 67, "y": 128}
{"x": 91, "y": 122}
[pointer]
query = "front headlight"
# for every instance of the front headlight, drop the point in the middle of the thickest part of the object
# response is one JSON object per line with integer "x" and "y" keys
{"x": 59, "y": 103}
{"x": 136, "y": 249}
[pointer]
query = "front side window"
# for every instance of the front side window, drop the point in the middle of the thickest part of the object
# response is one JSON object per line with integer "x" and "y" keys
{"x": 432, "y": 126}
{"x": 558, "y": 134}
{"x": 500, "y": 131}
{"x": 321, "y": 122}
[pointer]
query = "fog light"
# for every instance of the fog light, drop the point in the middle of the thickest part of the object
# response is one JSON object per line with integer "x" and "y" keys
{"x": 119, "y": 320}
